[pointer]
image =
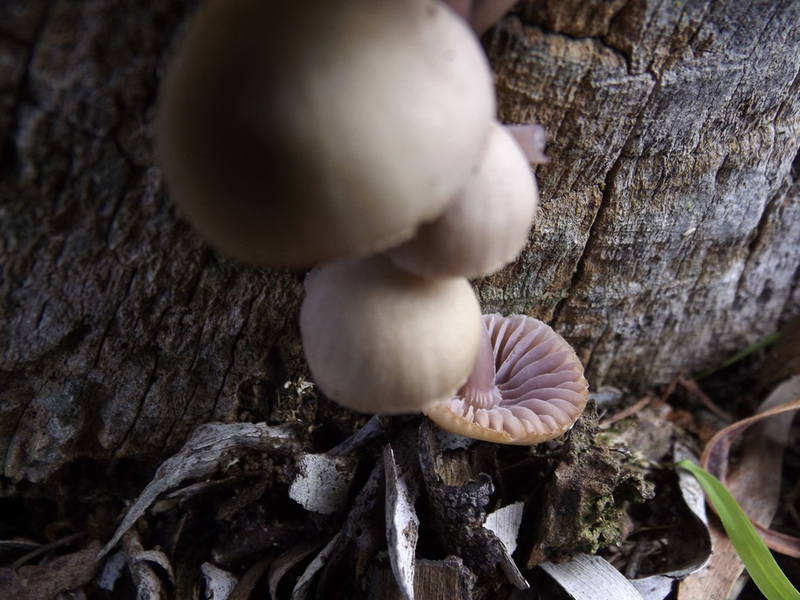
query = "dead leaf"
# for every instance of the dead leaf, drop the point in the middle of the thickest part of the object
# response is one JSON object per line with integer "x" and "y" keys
{"x": 148, "y": 584}
{"x": 755, "y": 484}
{"x": 219, "y": 583}
{"x": 244, "y": 588}
{"x": 286, "y": 561}
{"x": 588, "y": 577}
{"x": 208, "y": 449}
{"x": 303, "y": 585}
{"x": 762, "y": 475}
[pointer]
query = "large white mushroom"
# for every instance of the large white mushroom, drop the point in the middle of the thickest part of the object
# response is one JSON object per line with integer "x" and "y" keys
{"x": 297, "y": 132}
{"x": 381, "y": 340}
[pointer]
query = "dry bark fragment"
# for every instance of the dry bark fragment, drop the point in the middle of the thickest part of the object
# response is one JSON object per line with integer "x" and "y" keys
{"x": 582, "y": 507}
{"x": 402, "y": 523}
{"x": 208, "y": 450}
{"x": 459, "y": 512}
{"x": 587, "y": 577}
{"x": 68, "y": 572}
{"x": 445, "y": 579}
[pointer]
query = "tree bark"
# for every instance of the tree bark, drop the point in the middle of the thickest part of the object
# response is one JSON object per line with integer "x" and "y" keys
{"x": 669, "y": 227}
{"x": 667, "y": 234}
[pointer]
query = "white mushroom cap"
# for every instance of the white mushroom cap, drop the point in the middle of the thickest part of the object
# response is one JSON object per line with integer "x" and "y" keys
{"x": 381, "y": 340}
{"x": 296, "y": 132}
{"x": 486, "y": 226}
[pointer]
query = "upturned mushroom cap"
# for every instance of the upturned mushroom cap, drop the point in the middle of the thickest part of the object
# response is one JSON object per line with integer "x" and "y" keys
{"x": 527, "y": 386}
{"x": 487, "y": 224}
{"x": 381, "y": 340}
{"x": 297, "y": 132}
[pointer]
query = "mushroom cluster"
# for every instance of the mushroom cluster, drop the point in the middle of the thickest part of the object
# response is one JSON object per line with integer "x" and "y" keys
{"x": 292, "y": 133}
{"x": 358, "y": 136}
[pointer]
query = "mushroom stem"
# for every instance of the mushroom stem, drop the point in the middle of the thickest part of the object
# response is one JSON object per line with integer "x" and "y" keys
{"x": 480, "y": 389}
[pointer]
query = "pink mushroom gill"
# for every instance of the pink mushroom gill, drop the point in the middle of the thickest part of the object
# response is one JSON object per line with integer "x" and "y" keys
{"x": 527, "y": 386}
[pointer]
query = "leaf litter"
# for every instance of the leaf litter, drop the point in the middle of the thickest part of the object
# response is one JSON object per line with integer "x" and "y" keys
{"x": 400, "y": 510}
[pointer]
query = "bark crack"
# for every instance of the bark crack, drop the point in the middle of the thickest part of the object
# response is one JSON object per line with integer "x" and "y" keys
{"x": 772, "y": 205}
{"x": 178, "y": 419}
{"x": 135, "y": 174}
{"x": 605, "y": 202}
{"x": 748, "y": 63}
{"x": 600, "y": 339}
{"x": 194, "y": 286}
{"x": 140, "y": 407}
{"x": 103, "y": 337}
{"x": 790, "y": 309}
{"x": 236, "y": 340}
{"x": 9, "y": 448}
{"x": 591, "y": 241}
{"x": 600, "y": 40}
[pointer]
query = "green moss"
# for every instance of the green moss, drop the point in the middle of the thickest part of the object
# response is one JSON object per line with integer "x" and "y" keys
{"x": 585, "y": 500}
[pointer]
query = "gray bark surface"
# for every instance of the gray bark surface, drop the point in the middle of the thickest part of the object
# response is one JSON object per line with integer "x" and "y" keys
{"x": 669, "y": 229}
{"x": 667, "y": 235}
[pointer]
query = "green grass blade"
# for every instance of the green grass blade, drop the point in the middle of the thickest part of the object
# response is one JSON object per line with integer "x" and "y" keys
{"x": 755, "y": 555}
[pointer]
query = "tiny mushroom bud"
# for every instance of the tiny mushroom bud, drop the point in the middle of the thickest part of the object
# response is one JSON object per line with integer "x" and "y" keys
{"x": 486, "y": 226}
{"x": 297, "y": 132}
{"x": 381, "y": 340}
{"x": 481, "y": 14}
{"x": 485, "y": 13}
{"x": 527, "y": 386}
{"x": 532, "y": 138}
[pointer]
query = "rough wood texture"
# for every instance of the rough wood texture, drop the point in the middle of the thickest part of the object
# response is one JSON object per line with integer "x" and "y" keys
{"x": 667, "y": 235}
{"x": 120, "y": 331}
{"x": 669, "y": 227}
{"x": 581, "y": 505}
{"x": 445, "y": 579}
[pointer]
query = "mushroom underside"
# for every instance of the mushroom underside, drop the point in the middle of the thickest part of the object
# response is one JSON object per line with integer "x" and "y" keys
{"x": 538, "y": 393}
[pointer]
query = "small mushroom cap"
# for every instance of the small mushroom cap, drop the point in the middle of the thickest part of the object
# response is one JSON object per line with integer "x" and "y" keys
{"x": 487, "y": 224}
{"x": 292, "y": 133}
{"x": 542, "y": 389}
{"x": 381, "y": 340}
